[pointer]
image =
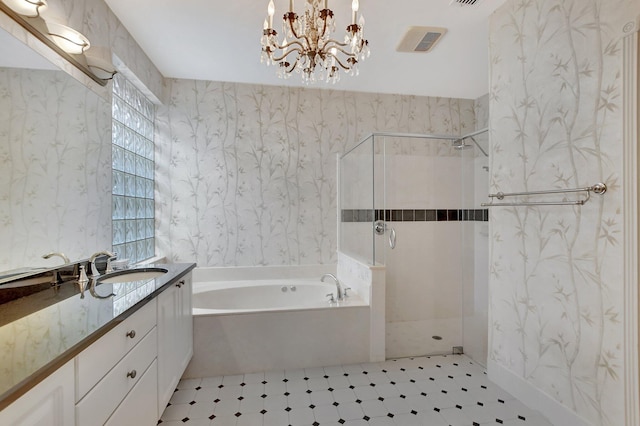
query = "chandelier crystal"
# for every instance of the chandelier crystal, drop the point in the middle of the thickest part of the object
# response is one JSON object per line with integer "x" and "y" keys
{"x": 308, "y": 47}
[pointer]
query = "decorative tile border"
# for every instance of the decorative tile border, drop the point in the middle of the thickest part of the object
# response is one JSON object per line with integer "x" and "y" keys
{"x": 415, "y": 215}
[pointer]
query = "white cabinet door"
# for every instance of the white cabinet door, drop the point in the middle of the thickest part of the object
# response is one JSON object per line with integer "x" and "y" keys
{"x": 175, "y": 338}
{"x": 185, "y": 319}
{"x": 50, "y": 402}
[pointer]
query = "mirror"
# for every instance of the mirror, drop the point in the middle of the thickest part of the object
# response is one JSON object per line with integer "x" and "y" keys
{"x": 55, "y": 162}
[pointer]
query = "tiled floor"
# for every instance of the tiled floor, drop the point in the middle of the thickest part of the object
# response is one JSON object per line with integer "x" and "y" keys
{"x": 430, "y": 391}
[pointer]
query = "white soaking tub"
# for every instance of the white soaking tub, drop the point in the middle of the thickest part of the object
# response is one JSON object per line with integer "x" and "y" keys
{"x": 266, "y": 295}
{"x": 243, "y": 326}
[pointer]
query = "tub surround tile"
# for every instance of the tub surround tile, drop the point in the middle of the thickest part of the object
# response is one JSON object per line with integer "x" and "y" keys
{"x": 434, "y": 391}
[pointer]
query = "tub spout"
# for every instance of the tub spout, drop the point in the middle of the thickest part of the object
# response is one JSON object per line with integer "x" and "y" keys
{"x": 339, "y": 293}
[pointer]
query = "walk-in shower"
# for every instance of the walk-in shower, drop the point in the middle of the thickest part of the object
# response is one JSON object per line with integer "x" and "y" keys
{"x": 412, "y": 203}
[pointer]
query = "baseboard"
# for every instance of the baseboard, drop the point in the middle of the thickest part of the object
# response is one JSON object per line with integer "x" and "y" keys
{"x": 533, "y": 397}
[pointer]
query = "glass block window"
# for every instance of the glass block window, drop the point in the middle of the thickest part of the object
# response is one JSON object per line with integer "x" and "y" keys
{"x": 133, "y": 207}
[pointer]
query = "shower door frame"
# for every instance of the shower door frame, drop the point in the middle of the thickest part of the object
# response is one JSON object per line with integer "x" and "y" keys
{"x": 375, "y": 164}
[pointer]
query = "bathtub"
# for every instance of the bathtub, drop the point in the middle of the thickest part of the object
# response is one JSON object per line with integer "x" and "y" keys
{"x": 249, "y": 296}
{"x": 247, "y": 325}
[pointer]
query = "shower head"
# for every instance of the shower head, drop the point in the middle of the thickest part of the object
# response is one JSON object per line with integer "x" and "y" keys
{"x": 460, "y": 144}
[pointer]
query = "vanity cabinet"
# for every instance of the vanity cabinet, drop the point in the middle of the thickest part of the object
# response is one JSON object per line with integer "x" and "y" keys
{"x": 125, "y": 377}
{"x": 175, "y": 338}
{"x": 50, "y": 402}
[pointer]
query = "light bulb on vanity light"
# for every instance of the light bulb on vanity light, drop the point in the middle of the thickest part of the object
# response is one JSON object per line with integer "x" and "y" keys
{"x": 28, "y": 8}
{"x": 68, "y": 39}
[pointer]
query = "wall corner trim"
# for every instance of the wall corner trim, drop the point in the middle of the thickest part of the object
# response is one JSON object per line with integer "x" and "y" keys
{"x": 631, "y": 226}
{"x": 533, "y": 397}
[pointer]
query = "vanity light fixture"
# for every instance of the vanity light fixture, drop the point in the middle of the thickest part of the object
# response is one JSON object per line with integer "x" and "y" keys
{"x": 28, "y": 8}
{"x": 99, "y": 62}
{"x": 308, "y": 46}
{"x": 68, "y": 39}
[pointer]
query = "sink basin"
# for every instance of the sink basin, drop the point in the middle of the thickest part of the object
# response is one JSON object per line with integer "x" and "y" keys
{"x": 138, "y": 274}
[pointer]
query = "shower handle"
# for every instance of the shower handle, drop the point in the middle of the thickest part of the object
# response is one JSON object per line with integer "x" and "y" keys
{"x": 392, "y": 238}
{"x": 379, "y": 227}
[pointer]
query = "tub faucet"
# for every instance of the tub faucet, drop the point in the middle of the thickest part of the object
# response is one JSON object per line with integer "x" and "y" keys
{"x": 339, "y": 295}
{"x": 92, "y": 261}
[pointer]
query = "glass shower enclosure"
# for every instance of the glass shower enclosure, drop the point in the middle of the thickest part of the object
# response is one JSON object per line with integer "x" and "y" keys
{"x": 412, "y": 203}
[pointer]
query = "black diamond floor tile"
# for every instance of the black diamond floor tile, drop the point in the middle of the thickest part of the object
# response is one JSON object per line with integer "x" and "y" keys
{"x": 276, "y": 406}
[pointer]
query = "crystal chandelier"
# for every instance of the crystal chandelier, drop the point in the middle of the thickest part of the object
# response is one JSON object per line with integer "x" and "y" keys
{"x": 307, "y": 46}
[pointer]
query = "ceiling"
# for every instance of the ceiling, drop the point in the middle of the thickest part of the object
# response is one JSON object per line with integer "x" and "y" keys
{"x": 220, "y": 41}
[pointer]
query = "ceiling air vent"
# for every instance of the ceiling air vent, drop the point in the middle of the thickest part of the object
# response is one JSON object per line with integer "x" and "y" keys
{"x": 420, "y": 39}
{"x": 464, "y": 2}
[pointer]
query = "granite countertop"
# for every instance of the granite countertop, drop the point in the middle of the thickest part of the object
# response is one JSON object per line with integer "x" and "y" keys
{"x": 41, "y": 332}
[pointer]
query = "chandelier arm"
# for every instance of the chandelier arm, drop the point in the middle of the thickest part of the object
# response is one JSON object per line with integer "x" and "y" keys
{"x": 333, "y": 43}
{"x": 292, "y": 43}
{"x": 298, "y": 37}
{"x": 293, "y": 30}
{"x": 278, "y": 59}
{"x": 344, "y": 67}
{"x": 324, "y": 28}
{"x": 338, "y": 47}
{"x": 293, "y": 66}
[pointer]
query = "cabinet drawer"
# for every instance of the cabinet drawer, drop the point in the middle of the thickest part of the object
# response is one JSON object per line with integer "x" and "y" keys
{"x": 94, "y": 362}
{"x": 96, "y": 407}
{"x": 140, "y": 406}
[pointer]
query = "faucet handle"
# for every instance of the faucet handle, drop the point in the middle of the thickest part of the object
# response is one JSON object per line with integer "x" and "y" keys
{"x": 83, "y": 280}
{"x": 331, "y": 298}
{"x": 344, "y": 292}
{"x": 109, "y": 266}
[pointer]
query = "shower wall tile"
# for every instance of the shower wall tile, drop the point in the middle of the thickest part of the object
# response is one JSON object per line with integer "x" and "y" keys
{"x": 249, "y": 172}
{"x": 414, "y": 215}
{"x": 556, "y": 300}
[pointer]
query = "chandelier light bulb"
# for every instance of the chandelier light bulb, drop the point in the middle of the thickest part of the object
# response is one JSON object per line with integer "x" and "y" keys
{"x": 355, "y": 5}
{"x": 271, "y": 9}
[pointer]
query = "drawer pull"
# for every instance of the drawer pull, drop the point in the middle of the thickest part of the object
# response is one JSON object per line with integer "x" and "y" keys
{"x": 131, "y": 334}
{"x": 132, "y": 374}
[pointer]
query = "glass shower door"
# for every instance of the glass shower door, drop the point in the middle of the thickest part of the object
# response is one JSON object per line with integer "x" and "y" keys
{"x": 424, "y": 272}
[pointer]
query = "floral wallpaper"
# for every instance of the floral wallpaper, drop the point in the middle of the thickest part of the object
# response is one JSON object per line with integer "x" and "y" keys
{"x": 246, "y": 174}
{"x": 55, "y": 168}
{"x": 556, "y": 296}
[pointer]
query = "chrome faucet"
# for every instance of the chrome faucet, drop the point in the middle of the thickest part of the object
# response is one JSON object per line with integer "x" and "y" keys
{"x": 57, "y": 253}
{"x": 55, "y": 275}
{"x": 339, "y": 295}
{"x": 92, "y": 261}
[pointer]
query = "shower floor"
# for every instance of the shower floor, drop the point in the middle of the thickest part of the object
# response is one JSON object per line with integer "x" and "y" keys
{"x": 430, "y": 391}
